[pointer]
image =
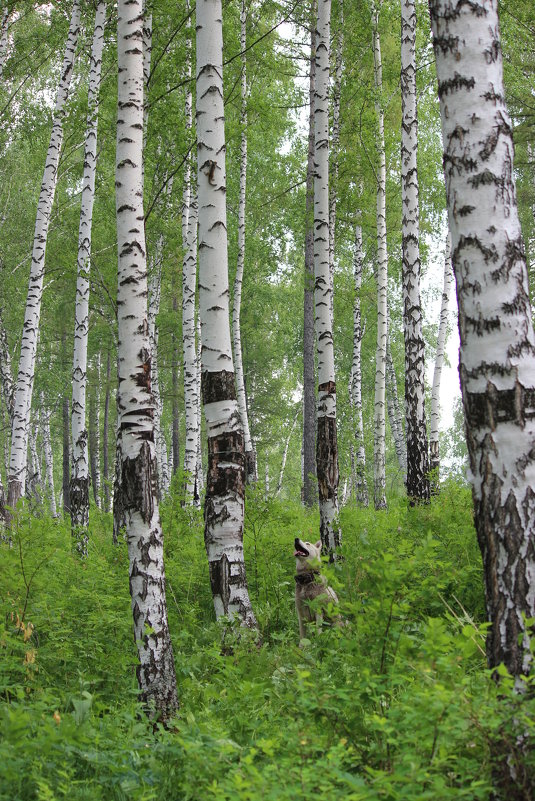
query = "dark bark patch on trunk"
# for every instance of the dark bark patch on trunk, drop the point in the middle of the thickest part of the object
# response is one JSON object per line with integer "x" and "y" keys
{"x": 218, "y": 386}
{"x": 79, "y": 493}
{"x": 327, "y": 458}
{"x": 143, "y": 378}
{"x": 137, "y": 483}
{"x": 229, "y": 449}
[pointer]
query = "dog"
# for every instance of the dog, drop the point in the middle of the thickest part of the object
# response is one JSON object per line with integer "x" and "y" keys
{"x": 311, "y": 585}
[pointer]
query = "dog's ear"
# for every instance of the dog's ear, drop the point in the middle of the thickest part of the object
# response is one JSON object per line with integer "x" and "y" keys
{"x": 318, "y": 545}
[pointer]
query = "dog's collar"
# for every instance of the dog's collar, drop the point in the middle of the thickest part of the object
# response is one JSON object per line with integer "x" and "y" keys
{"x": 306, "y": 578}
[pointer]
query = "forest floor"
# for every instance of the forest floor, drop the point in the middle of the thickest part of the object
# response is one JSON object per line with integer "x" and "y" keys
{"x": 398, "y": 704}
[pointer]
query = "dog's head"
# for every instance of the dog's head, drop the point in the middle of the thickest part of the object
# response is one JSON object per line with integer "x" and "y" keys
{"x": 307, "y": 555}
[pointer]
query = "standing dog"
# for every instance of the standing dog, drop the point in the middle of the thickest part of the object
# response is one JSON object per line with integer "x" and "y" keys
{"x": 309, "y": 585}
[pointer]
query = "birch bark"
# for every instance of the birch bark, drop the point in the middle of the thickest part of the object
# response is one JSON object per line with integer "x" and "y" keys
{"x": 496, "y": 365}
{"x": 94, "y": 437}
{"x": 361, "y": 487}
{"x": 250, "y": 455}
{"x": 155, "y": 672}
{"x": 105, "y": 430}
{"x": 6, "y": 374}
{"x": 155, "y": 283}
{"x": 28, "y": 350}
{"x": 48, "y": 454}
{"x": 379, "y": 466}
{"x": 335, "y": 142}
{"x": 4, "y": 40}
{"x": 326, "y": 444}
{"x": 224, "y": 503}
{"x": 189, "y": 292}
{"x": 79, "y": 488}
{"x": 189, "y": 349}
{"x": 416, "y": 425}
{"x": 434, "y": 452}
{"x": 309, "y": 391}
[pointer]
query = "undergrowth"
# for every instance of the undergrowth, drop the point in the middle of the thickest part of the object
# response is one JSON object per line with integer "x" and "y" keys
{"x": 395, "y": 705}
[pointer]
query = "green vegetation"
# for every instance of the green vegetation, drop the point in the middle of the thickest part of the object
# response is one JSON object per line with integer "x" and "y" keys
{"x": 397, "y": 704}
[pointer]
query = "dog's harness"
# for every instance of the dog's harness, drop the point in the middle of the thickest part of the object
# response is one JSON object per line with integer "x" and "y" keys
{"x": 306, "y": 578}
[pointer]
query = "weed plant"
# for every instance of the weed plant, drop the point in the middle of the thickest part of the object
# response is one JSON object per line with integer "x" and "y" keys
{"x": 395, "y": 705}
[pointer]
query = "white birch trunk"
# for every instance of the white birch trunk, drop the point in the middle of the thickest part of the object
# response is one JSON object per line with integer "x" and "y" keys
{"x": 434, "y": 452}
{"x": 6, "y": 373}
{"x": 79, "y": 487}
{"x": 4, "y": 39}
{"x": 416, "y": 424}
{"x": 155, "y": 283}
{"x": 94, "y": 437}
{"x": 49, "y": 458}
{"x": 326, "y": 443}
{"x": 28, "y": 350}
{"x": 189, "y": 350}
{"x": 155, "y": 672}
{"x": 335, "y": 143}
{"x": 379, "y": 466}
{"x": 189, "y": 293}
{"x": 361, "y": 487}
{"x": 250, "y": 455}
{"x": 285, "y": 452}
{"x": 35, "y": 482}
{"x": 309, "y": 388}
{"x": 225, "y": 489}
{"x": 200, "y": 471}
{"x": 497, "y": 355}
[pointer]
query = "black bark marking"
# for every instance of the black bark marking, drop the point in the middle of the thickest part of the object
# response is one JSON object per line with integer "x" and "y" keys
{"x": 137, "y": 482}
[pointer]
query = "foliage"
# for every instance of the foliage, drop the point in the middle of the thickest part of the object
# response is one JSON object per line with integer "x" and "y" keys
{"x": 396, "y": 704}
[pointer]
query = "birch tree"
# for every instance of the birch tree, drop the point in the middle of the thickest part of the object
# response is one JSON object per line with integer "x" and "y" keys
{"x": 4, "y": 38}
{"x": 496, "y": 362}
{"x": 250, "y": 455}
{"x": 434, "y": 452}
{"x": 309, "y": 393}
{"x": 335, "y": 140}
{"x": 224, "y": 502}
{"x": 48, "y": 454}
{"x": 189, "y": 349}
{"x": 189, "y": 295}
{"x": 379, "y": 465}
{"x": 416, "y": 426}
{"x": 79, "y": 487}
{"x": 155, "y": 672}
{"x": 30, "y": 330}
{"x": 326, "y": 444}
{"x": 361, "y": 487}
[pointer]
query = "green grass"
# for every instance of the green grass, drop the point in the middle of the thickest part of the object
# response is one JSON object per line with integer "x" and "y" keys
{"x": 395, "y": 705}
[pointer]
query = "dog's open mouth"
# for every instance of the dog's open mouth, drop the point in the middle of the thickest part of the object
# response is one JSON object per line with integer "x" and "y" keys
{"x": 299, "y": 549}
